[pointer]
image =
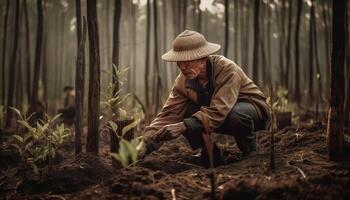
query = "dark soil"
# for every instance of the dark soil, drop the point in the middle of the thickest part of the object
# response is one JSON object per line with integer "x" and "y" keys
{"x": 302, "y": 172}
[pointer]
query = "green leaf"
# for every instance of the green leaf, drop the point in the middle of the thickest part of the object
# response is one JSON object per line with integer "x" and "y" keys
{"x": 26, "y": 124}
{"x": 131, "y": 148}
{"x": 19, "y": 138}
{"x": 16, "y": 111}
{"x": 35, "y": 168}
{"x": 55, "y": 117}
{"x": 113, "y": 126}
{"x": 19, "y": 149}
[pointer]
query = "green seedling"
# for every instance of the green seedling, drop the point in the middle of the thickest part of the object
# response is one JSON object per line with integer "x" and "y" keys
{"x": 38, "y": 144}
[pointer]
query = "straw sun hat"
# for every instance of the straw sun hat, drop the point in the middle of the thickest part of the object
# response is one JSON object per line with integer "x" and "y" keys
{"x": 190, "y": 45}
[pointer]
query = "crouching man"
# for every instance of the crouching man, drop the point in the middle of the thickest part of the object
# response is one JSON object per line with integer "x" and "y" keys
{"x": 209, "y": 88}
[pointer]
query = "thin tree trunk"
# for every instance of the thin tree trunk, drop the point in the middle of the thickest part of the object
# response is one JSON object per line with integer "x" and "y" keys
{"x": 347, "y": 52}
{"x": 282, "y": 45}
{"x": 297, "y": 95}
{"x": 335, "y": 129}
{"x": 28, "y": 62}
{"x": 318, "y": 77}
{"x": 184, "y": 14}
{"x": 94, "y": 79}
{"x": 148, "y": 34}
{"x": 37, "y": 61}
{"x": 236, "y": 28}
{"x": 12, "y": 67}
{"x": 288, "y": 46}
{"x": 115, "y": 57}
{"x": 79, "y": 78}
{"x": 256, "y": 41}
{"x": 327, "y": 44}
{"x": 311, "y": 52}
{"x": 227, "y": 25}
{"x": 199, "y": 20}
{"x": 268, "y": 40}
{"x": 134, "y": 38}
{"x": 4, "y": 39}
{"x": 156, "y": 59}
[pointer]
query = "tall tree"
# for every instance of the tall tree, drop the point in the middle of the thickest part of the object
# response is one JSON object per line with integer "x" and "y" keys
{"x": 4, "y": 39}
{"x": 335, "y": 129}
{"x": 282, "y": 43}
{"x": 311, "y": 51}
{"x": 297, "y": 95}
{"x": 227, "y": 25}
{"x": 326, "y": 22}
{"x": 12, "y": 67}
{"x": 158, "y": 87}
{"x": 37, "y": 62}
{"x": 115, "y": 53}
{"x": 79, "y": 78}
{"x": 347, "y": 52}
{"x": 27, "y": 56}
{"x": 148, "y": 34}
{"x": 256, "y": 41}
{"x": 94, "y": 79}
{"x": 288, "y": 46}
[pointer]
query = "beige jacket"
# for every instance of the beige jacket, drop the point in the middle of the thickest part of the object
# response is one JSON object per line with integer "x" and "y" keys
{"x": 231, "y": 84}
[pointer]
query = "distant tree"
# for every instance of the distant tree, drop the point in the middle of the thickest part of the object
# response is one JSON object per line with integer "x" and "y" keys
{"x": 12, "y": 67}
{"x": 94, "y": 79}
{"x": 311, "y": 51}
{"x": 115, "y": 53}
{"x": 297, "y": 94}
{"x": 256, "y": 41}
{"x": 227, "y": 25}
{"x": 27, "y": 56}
{"x": 148, "y": 38}
{"x": 282, "y": 44}
{"x": 335, "y": 128}
{"x": 4, "y": 39}
{"x": 199, "y": 19}
{"x": 37, "y": 62}
{"x": 288, "y": 45}
{"x": 158, "y": 81}
{"x": 326, "y": 22}
{"x": 79, "y": 78}
{"x": 184, "y": 15}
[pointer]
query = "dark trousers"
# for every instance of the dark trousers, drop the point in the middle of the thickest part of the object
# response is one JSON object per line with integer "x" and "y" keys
{"x": 241, "y": 123}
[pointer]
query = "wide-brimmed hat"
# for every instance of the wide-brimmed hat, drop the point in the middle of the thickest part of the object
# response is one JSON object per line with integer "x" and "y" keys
{"x": 190, "y": 45}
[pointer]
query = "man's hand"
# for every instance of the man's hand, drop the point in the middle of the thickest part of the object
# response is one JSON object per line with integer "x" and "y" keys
{"x": 169, "y": 132}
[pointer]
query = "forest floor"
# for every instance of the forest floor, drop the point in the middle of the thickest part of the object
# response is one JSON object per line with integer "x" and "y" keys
{"x": 302, "y": 172}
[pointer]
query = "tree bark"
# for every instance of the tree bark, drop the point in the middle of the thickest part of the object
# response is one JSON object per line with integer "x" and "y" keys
{"x": 79, "y": 78}
{"x": 227, "y": 25}
{"x": 256, "y": 41}
{"x": 37, "y": 62}
{"x": 282, "y": 44}
{"x": 115, "y": 56}
{"x": 288, "y": 46}
{"x": 94, "y": 79}
{"x": 156, "y": 58}
{"x": 12, "y": 67}
{"x": 297, "y": 95}
{"x": 148, "y": 34}
{"x": 335, "y": 129}
{"x": 4, "y": 52}
{"x": 311, "y": 52}
{"x": 326, "y": 22}
{"x": 28, "y": 62}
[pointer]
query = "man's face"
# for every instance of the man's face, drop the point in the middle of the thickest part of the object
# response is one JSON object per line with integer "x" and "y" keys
{"x": 191, "y": 69}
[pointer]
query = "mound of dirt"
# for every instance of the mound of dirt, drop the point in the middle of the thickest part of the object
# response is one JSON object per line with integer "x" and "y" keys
{"x": 70, "y": 176}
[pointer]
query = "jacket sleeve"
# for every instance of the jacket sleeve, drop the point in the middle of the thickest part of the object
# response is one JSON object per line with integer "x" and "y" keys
{"x": 172, "y": 112}
{"x": 227, "y": 87}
